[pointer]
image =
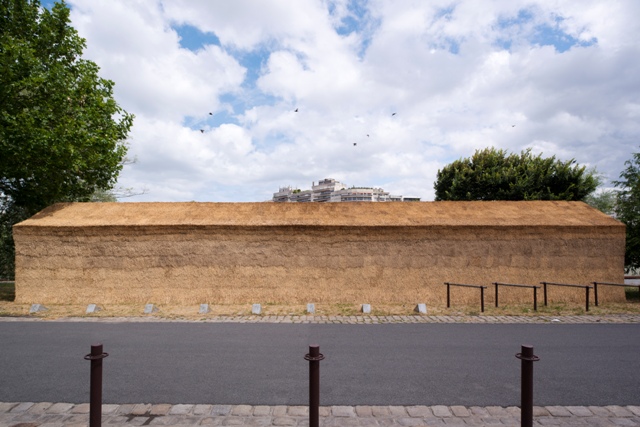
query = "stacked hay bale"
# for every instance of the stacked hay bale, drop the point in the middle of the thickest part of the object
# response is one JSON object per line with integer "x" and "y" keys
{"x": 293, "y": 253}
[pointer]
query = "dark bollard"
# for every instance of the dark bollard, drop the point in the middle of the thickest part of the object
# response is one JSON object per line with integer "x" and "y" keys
{"x": 314, "y": 357}
{"x": 95, "y": 402}
{"x": 526, "y": 403}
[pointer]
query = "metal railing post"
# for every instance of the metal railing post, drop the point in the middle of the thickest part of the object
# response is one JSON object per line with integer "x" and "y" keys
{"x": 526, "y": 401}
{"x": 448, "y": 296}
{"x": 95, "y": 395}
{"x": 587, "y": 299}
{"x": 482, "y": 299}
{"x": 314, "y": 357}
{"x": 535, "y": 298}
{"x": 595, "y": 292}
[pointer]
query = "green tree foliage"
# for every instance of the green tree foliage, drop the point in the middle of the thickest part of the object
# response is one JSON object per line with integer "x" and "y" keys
{"x": 604, "y": 201}
{"x": 628, "y": 209}
{"x": 492, "y": 174}
{"x": 62, "y": 135}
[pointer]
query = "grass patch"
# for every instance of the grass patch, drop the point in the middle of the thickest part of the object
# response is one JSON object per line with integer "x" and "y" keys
{"x": 632, "y": 293}
{"x": 7, "y": 291}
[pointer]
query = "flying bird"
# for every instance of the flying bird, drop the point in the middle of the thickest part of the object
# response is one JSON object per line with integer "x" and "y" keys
{"x": 393, "y": 114}
{"x": 513, "y": 126}
{"x": 355, "y": 143}
{"x": 367, "y": 135}
{"x": 201, "y": 130}
{"x": 210, "y": 113}
{"x": 296, "y": 110}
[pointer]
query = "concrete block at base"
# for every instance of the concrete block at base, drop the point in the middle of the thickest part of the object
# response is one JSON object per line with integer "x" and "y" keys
{"x": 366, "y": 308}
{"x": 150, "y": 308}
{"x": 311, "y": 308}
{"x": 36, "y": 308}
{"x": 256, "y": 309}
{"x": 204, "y": 309}
{"x": 421, "y": 308}
{"x": 92, "y": 308}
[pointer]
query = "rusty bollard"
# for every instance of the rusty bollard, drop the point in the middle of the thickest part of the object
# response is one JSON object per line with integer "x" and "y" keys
{"x": 526, "y": 402}
{"x": 314, "y": 357}
{"x": 95, "y": 398}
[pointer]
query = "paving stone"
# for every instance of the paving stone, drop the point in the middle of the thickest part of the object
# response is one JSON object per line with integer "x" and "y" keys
{"x": 398, "y": 411}
{"x": 410, "y": 422}
{"x": 441, "y": 411}
{"x": 21, "y": 407}
{"x": 202, "y": 409}
{"x": 460, "y": 411}
{"x": 59, "y": 408}
{"x": 279, "y": 411}
{"x": 619, "y": 411}
{"x": 343, "y": 411}
{"x": 364, "y": 411}
{"x": 211, "y": 421}
{"x": 242, "y": 410}
{"x": 579, "y": 411}
{"x": 117, "y": 420}
{"x": 160, "y": 409}
{"x": 180, "y": 409}
{"x": 380, "y": 411}
{"x": 283, "y": 421}
{"x": 82, "y": 408}
{"x": 220, "y": 410}
{"x": 141, "y": 409}
{"x": 497, "y": 411}
{"x": 540, "y": 411}
{"x": 38, "y": 408}
{"x": 298, "y": 411}
{"x": 77, "y": 419}
{"x": 513, "y": 410}
{"x": 126, "y": 409}
{"x": 261, "y": 411}
{"x": 138, "y": 421}
{"x": 369, "y": 422}
{"x": 324, "y": 411}
{"x": 6, "y": 406}
{"x": 480, "y": 411}
{"x": 558, "y": 411}
{"x": 419, "y": 411}
{"x": 600, "y": 411}
{"x": 108, "y": 409}
{"x": 623, "y": 422}
{"x": 25, "y": 417}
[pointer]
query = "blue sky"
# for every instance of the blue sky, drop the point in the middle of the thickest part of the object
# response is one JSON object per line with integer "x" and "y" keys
{"x": 214, "y": 86}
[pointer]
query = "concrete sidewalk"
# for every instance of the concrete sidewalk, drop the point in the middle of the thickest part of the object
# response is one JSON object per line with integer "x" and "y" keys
{"x": 29, "y": 414}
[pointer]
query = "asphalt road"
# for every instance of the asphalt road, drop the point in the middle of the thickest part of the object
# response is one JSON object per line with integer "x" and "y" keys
{"x": 390, "y": 364}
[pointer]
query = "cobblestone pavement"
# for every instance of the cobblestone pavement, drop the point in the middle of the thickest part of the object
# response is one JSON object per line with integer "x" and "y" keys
{"x": 360, "y": 319}
{"x": 46, "y": 414}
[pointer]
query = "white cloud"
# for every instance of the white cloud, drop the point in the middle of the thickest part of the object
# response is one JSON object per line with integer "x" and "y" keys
{"x": 461, "y": 76}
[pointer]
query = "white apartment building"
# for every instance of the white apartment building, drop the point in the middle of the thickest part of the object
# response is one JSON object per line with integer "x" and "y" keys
{"x": 330, "y": 190}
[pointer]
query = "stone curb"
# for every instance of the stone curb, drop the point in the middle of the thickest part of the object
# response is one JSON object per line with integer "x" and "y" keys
{"x": 362, "y": 319}
{"x": 48, "y": 414}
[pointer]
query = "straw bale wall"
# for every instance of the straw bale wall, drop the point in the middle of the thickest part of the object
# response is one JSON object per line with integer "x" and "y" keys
{"x": 279, "y": 263}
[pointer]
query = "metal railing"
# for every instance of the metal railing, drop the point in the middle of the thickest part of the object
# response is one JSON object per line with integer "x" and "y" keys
{"x": 595, "y": 288}
{"x": 585, "y": 287}
{"x": 534, "y": 287}
{"x": 482, "y": 288}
